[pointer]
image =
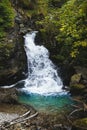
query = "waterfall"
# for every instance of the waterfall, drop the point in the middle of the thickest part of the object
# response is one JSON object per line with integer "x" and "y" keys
{"x": 42, "y": 77}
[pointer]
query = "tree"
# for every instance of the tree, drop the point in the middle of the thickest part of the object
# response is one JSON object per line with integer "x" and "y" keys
{"x": 73, "y": 29}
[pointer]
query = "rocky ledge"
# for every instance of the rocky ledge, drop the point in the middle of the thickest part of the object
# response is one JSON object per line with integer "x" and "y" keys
{"x": 8, "y": 95}
{"x": 78, "y": 82}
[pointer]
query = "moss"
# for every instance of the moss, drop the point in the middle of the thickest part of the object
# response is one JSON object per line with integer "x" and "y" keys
{"x": 77, "y": 86}
{"x": 76, "y": 78}
{"x": 81, "y": 123}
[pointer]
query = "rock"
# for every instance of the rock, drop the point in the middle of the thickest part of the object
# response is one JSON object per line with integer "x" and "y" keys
{"x": 8, "y": 95}
{"x": 75, "y": 79}
{"x": 18, "y": 19}
{"x": 78, "y": 82}
{"x": 83, "y": 72}
{"x": 33, "y": 127}
{"x": 21, "y": 25}
{"x": 23, "y": 30}
{"x": 13, "y": 61}
{"x": 76, "y": 86}
{"x": 80, "y": 124}
{"x": 18, "y": 126}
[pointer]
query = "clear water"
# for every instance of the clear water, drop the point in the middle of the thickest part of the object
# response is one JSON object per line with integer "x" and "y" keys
{"x": 47, "y": 104}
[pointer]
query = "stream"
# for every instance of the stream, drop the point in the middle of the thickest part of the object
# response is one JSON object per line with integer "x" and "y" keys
{"x": 42, "y": 88}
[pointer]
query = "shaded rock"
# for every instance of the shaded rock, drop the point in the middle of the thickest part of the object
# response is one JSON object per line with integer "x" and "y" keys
{"x": 18, "y": 126}
{"x": 75, "y": 79}
{"x": 83, "y": 72}
{"x": 78, "y": 82}
{"x": 80, "y": 124}
{"x": 18, "y": 19}
{"x": 76, "y": 85}
{"x": 77, "y": 88}
{"x": 13, "y": 61}
{"x": 24, "y": 30}
{"x": 8, "y": 95}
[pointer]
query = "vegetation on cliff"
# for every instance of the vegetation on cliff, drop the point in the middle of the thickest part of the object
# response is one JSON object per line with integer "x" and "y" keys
{"x": 6, "y": 17}
{"x": 61, "y": 25}
{"x": 64, "y": 27}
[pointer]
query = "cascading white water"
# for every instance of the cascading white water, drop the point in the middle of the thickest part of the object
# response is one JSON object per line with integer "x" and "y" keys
{"x": 42, "y": 76}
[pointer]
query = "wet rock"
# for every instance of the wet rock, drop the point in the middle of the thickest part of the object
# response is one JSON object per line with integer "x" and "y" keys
{"x": 24, "y": 30}
{"x": 18, "y": 19}
{"x": 8, "y": 95}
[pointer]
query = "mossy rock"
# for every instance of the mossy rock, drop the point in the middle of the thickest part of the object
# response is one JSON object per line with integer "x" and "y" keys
{"x": 81, "y": 124}
{"x": 75, "y": 78}
{"x": 77, "y": 86}
{"x": 77, "y": 89}
{"x": 6, "y": 51}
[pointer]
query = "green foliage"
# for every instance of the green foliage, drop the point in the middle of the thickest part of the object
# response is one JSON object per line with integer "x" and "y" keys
{"x": 65, "y": 27}
{"x": 73, "y": 29}
{"x": 6, "y": 16}
{"x": 48, "y": 26}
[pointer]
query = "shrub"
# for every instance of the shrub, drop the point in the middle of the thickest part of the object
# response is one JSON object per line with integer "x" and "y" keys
{"x": 6, "y": 16}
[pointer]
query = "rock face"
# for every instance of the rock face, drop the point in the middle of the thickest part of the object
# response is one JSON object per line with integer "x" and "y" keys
{"x": 13, "y": 62}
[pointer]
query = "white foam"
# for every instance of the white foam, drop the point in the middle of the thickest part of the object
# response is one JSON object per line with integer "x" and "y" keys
{"x": 42, "y": 76}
